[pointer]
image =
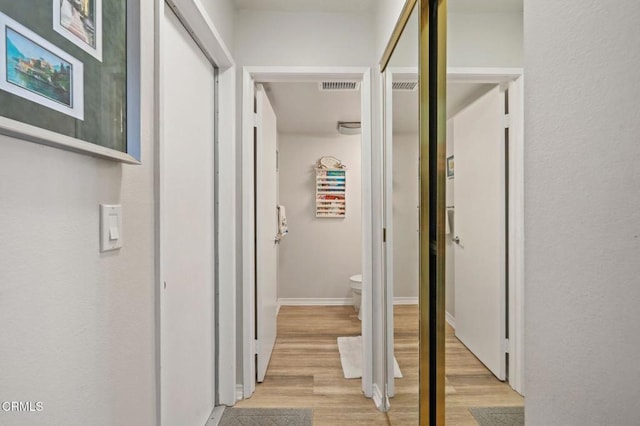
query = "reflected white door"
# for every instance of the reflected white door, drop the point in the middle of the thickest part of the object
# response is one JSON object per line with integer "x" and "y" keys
{"x": 187, "y": 229}
{"x": 479, "y": 199}
{"x": 266, "y": 230}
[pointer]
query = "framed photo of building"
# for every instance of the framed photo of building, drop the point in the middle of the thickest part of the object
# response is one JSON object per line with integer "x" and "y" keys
{"x": 80, "y": 21}
{"x": 34, "y": 69}
{"x": 63, "y": 84}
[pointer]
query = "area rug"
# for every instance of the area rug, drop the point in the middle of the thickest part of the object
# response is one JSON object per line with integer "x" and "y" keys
{"x": 351, "y": 358}
{"x": 499, "y": 416}
{"x": 266, "y": 417}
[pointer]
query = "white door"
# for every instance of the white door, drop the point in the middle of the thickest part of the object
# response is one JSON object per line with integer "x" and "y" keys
{"x": 266, "y": 231}
{"x": 479, "y": 199}
{"x": 187, "y": 229}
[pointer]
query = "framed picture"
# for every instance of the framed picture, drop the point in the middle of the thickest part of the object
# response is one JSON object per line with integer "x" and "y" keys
{"x": 63, "y": 84}
{"x": 80, "y": 22}
{"x": 450, "y": 166}
{"x": 34, "y": 69}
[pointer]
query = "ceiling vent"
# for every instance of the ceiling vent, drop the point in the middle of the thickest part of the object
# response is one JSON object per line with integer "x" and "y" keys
{"x": 333, "y": 86}
{"x": 407, "y": 86}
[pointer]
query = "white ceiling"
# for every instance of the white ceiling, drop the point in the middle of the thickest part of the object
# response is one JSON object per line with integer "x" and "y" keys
{"x": 327, "y": 6}
{"x": 301, "y": 108}
{"x": 459, "y": 95}
{"x": 350, "y": 6}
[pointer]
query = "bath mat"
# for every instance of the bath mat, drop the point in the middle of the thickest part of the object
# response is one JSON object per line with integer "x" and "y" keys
{"x": 351, "y": 358}
{"x": 266, "y": 417}
{"x": 499, "y": 416}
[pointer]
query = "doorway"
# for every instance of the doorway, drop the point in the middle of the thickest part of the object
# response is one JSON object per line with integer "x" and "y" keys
{"x": 250, "y": 303}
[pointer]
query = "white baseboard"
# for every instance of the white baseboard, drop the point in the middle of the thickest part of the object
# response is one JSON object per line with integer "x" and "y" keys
{"x": 451, "y": 320}
{"x": 405, "y": 300}
{"x": 337, "y": 301}
{"x": 239, "y": 392}
{"x": 315, "y": 301}
{"x": 215, "y": 416}
{"x": 377, "y": 397}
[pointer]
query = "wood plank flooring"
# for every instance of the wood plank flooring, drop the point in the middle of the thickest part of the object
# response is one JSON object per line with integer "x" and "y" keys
{"x": 468, "y": 382}
{"x": 305, "y": 372}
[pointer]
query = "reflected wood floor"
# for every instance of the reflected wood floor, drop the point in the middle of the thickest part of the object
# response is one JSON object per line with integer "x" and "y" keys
{"x": 305, "y": 372}
{"x": 468, "y": 382}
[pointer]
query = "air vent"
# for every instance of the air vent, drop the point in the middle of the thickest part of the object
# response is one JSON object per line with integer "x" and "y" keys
{"x": 339, "y": 85}
{"x": 407, "y": 86}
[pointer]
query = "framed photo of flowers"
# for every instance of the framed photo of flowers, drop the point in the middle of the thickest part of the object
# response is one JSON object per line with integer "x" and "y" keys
{"x": 69, "y": 75}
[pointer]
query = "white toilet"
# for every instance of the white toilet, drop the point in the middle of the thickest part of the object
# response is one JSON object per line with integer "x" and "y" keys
{"x": 356, "y": 292}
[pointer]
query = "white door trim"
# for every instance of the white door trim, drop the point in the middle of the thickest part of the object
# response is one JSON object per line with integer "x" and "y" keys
{"x": 251, "y": 75}
{"x": 515, "y": 79}
{"x": 194, "y": 18}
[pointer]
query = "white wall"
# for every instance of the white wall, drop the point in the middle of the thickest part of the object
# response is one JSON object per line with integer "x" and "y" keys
{"x": 77, "y": 325}
{"x": 385, "y": 17}
{"x": 406, "y": 193}
{"x": 474, "y": 40}
{"x": 222, "y": 14}
{"x": 303, "y": 38}
{"x": 484, "y": 40}
{"x": 318, "y": 255}
{"x": 582, "y": 218}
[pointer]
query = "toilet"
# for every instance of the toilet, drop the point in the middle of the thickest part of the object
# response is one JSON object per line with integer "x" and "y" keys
{"x": 356, "y": 292}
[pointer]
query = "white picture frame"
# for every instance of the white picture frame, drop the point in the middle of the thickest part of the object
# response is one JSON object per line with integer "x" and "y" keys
{"x": 69, "y": 23}
{"x": 23, "y": 56}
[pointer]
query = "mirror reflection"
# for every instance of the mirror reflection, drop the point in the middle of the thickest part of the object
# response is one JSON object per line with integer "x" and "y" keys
{"x": 482, "y": 87}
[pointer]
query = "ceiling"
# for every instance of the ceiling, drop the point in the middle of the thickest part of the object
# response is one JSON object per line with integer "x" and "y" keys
{"x": 459, "y": 95}
{"x": 301, "y": 108}
{"x": 350, "y": 6}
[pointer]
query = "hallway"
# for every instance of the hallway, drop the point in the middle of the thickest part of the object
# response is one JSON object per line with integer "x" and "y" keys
{"x": 305, "y": 372}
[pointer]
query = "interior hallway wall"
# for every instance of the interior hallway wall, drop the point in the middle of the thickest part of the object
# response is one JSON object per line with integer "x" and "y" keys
{"x": 582, "y": 217}
{"x": 318, "y": 255}
{"x": 78, "y": 326}
{"x": 485, "y": 39}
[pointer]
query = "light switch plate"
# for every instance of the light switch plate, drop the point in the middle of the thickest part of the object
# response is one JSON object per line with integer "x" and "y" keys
{"x": 110, "y": 227}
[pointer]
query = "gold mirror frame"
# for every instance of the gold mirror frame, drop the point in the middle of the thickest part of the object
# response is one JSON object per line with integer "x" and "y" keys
{"x": 432, "y": 81}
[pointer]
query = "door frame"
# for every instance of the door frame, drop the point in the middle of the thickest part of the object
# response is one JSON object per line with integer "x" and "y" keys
{"x": 251, "y": 76}
{"x": 199, "y": 25}
{"x": 514, "y": 78}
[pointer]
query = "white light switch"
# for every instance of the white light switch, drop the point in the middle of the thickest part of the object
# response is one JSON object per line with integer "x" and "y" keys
{"x": 110, "y": 227}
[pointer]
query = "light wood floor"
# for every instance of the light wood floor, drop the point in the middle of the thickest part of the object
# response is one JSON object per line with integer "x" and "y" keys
{"x": 305, "y": 372}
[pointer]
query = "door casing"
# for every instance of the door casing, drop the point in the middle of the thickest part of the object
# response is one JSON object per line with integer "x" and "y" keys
{"x": 251, "y": 76}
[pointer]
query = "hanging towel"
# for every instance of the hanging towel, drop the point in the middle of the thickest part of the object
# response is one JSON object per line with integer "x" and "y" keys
{"x": 448, "y": 228}
{"x": 283, "y": 229}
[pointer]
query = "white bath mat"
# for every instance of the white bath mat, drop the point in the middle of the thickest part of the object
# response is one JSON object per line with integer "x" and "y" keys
{"x": 351, "y": 358}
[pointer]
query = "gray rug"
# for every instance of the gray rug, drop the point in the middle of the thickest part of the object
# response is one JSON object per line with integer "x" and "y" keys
{"x": 266, "y": 417}
{"x": 499, "y": 416}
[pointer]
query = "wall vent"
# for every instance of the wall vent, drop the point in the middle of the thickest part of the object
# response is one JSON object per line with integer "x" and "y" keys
{"x": 332, "y": 86}
{"x": 407, "y": 86}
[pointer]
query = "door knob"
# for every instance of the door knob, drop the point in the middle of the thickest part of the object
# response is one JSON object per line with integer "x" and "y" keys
{"x": 456, "y": 239}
